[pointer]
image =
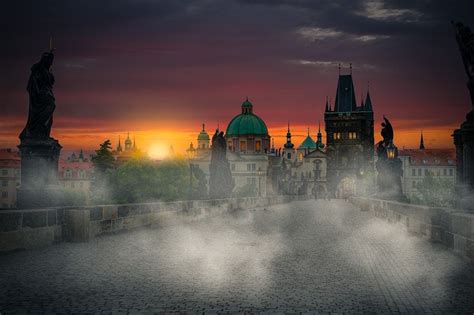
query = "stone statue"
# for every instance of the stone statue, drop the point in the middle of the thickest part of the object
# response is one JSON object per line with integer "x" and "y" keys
{"x": 220, "y": 177}
{"x": 41, "y": 99}
{"x": 464, "y": 135}
{"x": 387, "y": 131}
{"x": 465, "y": 39}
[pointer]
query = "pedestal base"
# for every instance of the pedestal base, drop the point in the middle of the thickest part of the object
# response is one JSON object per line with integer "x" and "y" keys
{"x": 39, "y": 174}
{"x": 40, "y": 198}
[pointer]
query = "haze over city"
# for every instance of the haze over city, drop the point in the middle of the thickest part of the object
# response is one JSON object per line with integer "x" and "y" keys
{"x": 158, "y": 69}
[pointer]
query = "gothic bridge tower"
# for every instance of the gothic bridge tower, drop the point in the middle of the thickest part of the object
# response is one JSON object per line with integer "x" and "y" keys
{"x": 350, "y": 138}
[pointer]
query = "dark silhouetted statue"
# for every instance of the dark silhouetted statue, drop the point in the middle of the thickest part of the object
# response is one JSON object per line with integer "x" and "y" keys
{"x": 389, "y": 166}
{"x": 39, "y": 151}
{"x": 220, "y": 177}
{"x": 41, "y": 100}
{"x": 463, "y": 137}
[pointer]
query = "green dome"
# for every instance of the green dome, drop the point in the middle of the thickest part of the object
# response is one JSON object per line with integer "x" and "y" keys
{"x": 247, "y": 123}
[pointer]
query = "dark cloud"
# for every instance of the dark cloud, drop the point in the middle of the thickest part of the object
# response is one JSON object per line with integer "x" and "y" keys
{"x": 195, "y": 59}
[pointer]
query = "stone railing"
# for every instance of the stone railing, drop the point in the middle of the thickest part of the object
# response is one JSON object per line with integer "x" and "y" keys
{"x": 22, "y": 229}
{"x": 452, "y": 227}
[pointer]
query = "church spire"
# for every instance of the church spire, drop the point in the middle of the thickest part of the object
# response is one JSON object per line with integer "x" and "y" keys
{"x": 327, "y": 104}
{"x": 319, "y": 141}
{"x": 288, "y": 144}
{"x": 119, "y": 146}
{"x": 422, "y": 142}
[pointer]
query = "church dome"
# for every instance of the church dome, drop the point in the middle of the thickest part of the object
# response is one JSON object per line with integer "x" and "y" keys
{"x": 247, "y": 123}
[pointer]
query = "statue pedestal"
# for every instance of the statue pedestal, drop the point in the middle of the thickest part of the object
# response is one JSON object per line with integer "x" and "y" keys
{"x": 39, "y": 174}
{"x": 464, "y": 142}
{"x": 389, "y": 181}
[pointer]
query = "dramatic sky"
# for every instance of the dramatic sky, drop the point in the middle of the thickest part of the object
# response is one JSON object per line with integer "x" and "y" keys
{"x": 160, "y": 68}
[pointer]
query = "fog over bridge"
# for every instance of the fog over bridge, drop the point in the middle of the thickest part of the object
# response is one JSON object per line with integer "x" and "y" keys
{"x": 305, "y": 256}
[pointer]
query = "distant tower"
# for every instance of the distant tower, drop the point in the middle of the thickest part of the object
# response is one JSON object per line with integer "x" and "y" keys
{"x": 288, "y": 147}
{"x": 349, "y": 135}
{"x": 128, "y": 143}
{"x": 134, "y": 143}
{"x": 422, "y": 143}
{"x": 203, "y": 138}
{"x": 81, "y": 156}
{"x": 319, "y": 137}
{"x": 119, "y": 146}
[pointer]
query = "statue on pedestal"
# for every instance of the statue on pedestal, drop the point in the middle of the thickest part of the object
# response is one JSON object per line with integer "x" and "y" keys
{"x": 38, "y": 150}
{"x": 464, "y": 136}
{"x": 389, "y": 166}
{"x": 220, "y": 177}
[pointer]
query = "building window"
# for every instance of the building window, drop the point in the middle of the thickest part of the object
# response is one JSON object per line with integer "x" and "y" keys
{"x": 229, "y": 144}
{"x": 288, "y": 156}
{"x": 243, "y": 146}
{"x": 4, "y": 172}
{"x": 68, "y": 173}
{"x": 451, "y": 172}
{"x": 427, "y": 172}
{"x": 300, "y": 156}
{"x": 445, "y": 172}
{"x": 413, "y": 184}
{"x": 254, "y": 167}
{"x": 249, "y": 167}
{"x": 413, "y": 172}
{"x": 419, "y": 172}
{"x": 4, "y": 183}
{"x": 352, "y": 135}
{"x": 337, "y": 136}
{"x": 258, "y": 146}
{"x": 4, "y": 194}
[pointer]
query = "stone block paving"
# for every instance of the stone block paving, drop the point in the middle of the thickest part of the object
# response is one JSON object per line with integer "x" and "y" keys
{"x": 302, "y": 257}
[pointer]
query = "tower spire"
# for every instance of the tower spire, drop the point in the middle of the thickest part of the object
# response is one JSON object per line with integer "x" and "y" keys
{"x": 288, "y": 144}
{"x": 327, "y": 104}
{"x": 119, "y": 146}
{"x": 319, "y": 137}
{"x": 422, "y": 142}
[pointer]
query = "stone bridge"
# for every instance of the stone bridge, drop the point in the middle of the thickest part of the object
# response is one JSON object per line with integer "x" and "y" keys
{"x": 298, "y": 257}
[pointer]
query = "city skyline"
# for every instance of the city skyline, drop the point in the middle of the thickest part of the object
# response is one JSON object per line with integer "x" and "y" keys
{"x": 165, "y": 68}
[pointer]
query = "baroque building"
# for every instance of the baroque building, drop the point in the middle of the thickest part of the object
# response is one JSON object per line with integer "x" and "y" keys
{"x": 248, "y": 146}
{"x": 350, "y": 138}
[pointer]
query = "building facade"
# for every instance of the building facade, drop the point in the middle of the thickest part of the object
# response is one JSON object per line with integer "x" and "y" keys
{"x": 417, "y": 164}
{"x": 76, "y": 173}
{"x": 248, "y": 146}
{"x": 349, "y": 138}
{"x": 9, "y": 177}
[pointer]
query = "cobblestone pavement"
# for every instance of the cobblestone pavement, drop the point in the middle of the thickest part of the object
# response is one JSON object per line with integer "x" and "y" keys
{"x": 305, "y": 256}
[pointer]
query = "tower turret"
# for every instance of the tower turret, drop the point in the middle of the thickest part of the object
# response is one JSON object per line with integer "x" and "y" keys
{"x": 128, "y": 143}
{"x": 203, "y": 138}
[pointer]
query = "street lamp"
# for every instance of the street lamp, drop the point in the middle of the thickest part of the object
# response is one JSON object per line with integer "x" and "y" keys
{"x": 391, "y": 151}
{"x": 260, "y": 173}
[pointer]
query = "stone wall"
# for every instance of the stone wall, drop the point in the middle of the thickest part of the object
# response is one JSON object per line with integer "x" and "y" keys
{"x": 451, "y": 227}
{"x": 22, "y": 229}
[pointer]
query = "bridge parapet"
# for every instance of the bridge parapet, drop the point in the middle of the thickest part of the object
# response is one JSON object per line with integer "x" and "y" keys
{"x": 451, "y": 227}
{"x": 29, "y": 228}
